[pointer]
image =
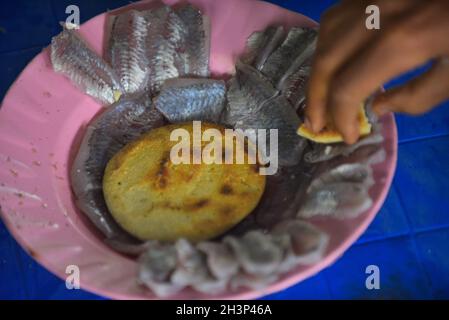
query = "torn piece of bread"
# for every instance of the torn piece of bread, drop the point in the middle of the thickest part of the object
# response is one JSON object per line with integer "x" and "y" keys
{"x": 330, "y": 134}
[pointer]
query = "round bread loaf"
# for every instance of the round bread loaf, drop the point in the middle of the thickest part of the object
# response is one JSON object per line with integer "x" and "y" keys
{"x": 151, "y": 197}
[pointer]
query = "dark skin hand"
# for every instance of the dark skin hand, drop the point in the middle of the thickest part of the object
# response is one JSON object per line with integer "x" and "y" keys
{"x": 352, "y": 62}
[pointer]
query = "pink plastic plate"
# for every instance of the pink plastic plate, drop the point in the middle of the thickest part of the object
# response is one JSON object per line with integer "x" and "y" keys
{"x": 43, "y": 117}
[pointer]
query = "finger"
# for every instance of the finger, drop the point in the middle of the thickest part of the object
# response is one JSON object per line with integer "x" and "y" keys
{"x": 394, "y": 52}
{"x": 343, "y": 33}
{"x": 328, "y": 56}
{"x": 418, "y": 95}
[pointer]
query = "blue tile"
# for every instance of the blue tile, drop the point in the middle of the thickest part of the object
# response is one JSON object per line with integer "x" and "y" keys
{"x": 434, "y": 252}
{"x": 390, "y": 220}
{"x": 401, "y": 275}
{"x": 12, "y": 284}
{"x": 12, "y": 64}
{"x": 312, "y": 9}
{"x": 26, "y": 24}
{"x": 422, "y": 179}
{"x": 433, "y": 123}
{"x": 311, "y": 288}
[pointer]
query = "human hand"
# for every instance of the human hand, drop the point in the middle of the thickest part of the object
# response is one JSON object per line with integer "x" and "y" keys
{"x": 352, "y": 62}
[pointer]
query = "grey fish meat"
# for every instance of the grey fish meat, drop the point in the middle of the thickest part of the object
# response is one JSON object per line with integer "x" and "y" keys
{"x": 166, "y": 36}
{"x": 71, "y": 56}
{"x": 296, "y": 49}
{"x": 191, "y": 99}
{"x": 260, "y": 45}
{"x": 294, "y": 88}
{"x": 325, "y": 152}
{"x": 118, "y": 125}
{"x": 253, "y": 103}
{"x": 126, "y": 50}
{"x": 220, "y": 259}
{"x": 155, "y": 268}
{"x": 307, "y": 243}
{"x": 256, "y": 252}
{"x": 194, "y": 56}
{"x": 338, "y": 199}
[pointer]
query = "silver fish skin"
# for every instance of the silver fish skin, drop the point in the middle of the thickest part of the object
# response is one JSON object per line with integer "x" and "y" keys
{"x": 118, "y": 125}
{"x": 167, "y": 35}
{"x": 307, "y": 243}
{"x": 294, "y": 88}
{"x": 71, "y": 56}
{"x": 194, "y": 57}
{"x": 191, "y": 99}
{"x": 339, "y": 200}
{"x": 294, "y": 52}
{"x": 351, "y": 172}
{"x": 325, "y": 152}
{"x": 256, "y": 252}
{"x": 155, "y": 268}
{"x": 126, "y": 50}
{"x": 260, "y": 45}
{"x": 253, "y": 103}
{"x": 220, "y": 259}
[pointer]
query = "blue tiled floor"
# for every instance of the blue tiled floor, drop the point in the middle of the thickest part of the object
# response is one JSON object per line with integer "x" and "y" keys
{"x": 408, "y": 240}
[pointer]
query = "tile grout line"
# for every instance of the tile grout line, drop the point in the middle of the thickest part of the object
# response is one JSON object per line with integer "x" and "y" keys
{"x": 401, "y": 235}
{"x": 415, "y": 245}
{"x": 422, "y": 138}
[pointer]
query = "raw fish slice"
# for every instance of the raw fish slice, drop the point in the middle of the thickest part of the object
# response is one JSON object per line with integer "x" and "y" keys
{"x": 296, "y": 49}
{"x": 325, "y": 152}
{"x": 166, "y": 36}
{"x": 119, "y": 124}
{"x": 191, "y": 99}
{"x": 338, "y": 200}
{"x": 256, "y": 252}
{"x": 194, "y": 58}
{"x": 347, "y": 172}
{"x": 260, "y": 45}
{"x": 220, "y": 259}
{"x": 71, "y": 56}
{"x": 127, "y": 50}
{"x": 253, "y": 103}
{"x": 155, "y": 268}
{"x": 307, "y": 243}
{"x": 211, "y": 286}
{"x": 294, "y": 88}
{"x": 255, "y": 282}
{"x": 192, "y": 265}
{"x": 282, "y": 198}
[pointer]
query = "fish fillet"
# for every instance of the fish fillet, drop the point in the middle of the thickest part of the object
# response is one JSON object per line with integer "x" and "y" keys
{"x": 194, "y": 57}
{"x": 260, "y": 45}
{"x": 253, "y": 103}
{"x": 294, "y": 51}
{"x": 71, "y": 56}
{"x": 127, "y": 50}
{"x": 119, "y": 124}
{"x": 166, "y": 36}
{"x": 191, "y": 99}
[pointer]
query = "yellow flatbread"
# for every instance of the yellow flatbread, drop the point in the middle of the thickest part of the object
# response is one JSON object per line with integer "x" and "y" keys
{"x": 155, "y": 199}
{"x": 330, "y": 135}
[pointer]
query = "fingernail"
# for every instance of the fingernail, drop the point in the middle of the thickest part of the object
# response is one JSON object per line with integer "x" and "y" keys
{"x": 307, "y": 123}
{"x": 379, "y": 106}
